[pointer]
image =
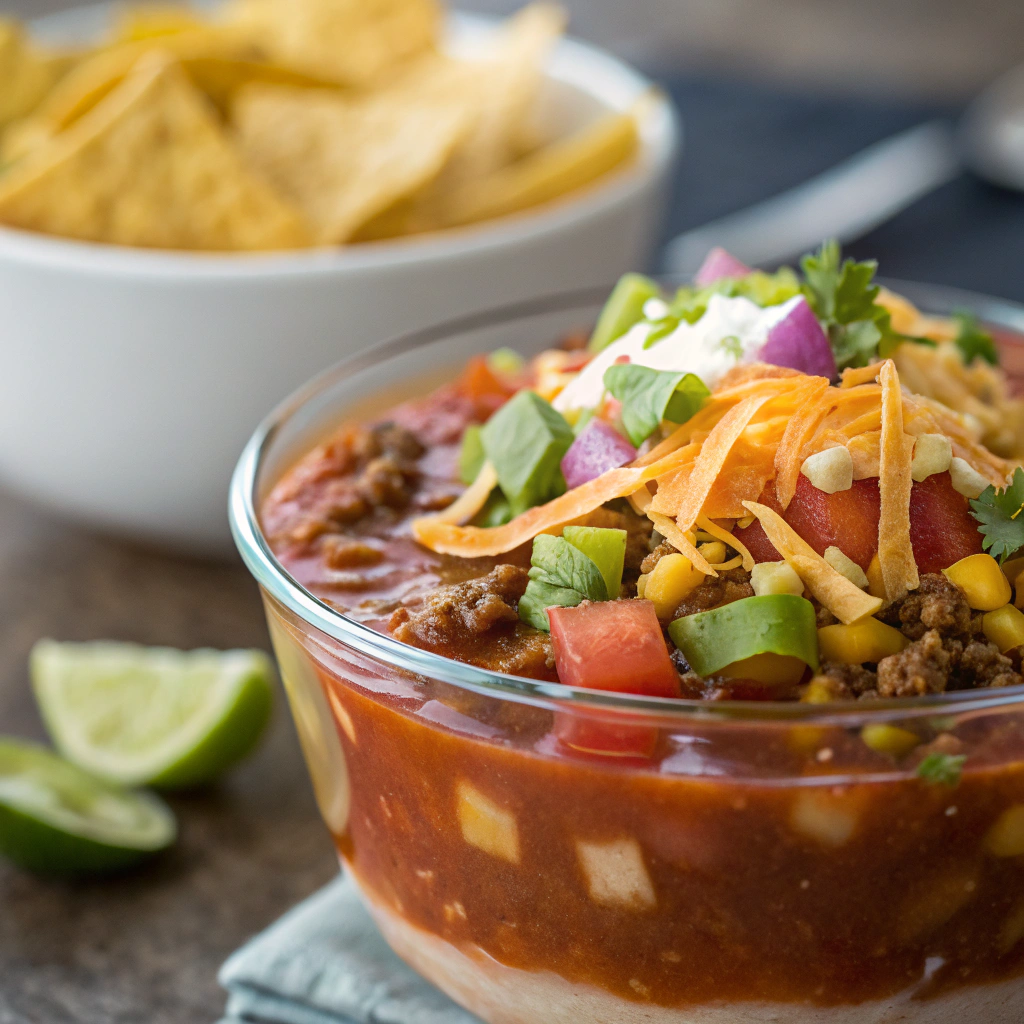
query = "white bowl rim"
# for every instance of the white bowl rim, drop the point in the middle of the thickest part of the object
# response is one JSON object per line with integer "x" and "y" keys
{"x": 594, "y": 71}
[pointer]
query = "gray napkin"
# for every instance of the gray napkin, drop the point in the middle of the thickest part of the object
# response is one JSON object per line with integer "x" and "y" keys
{"x": 325, "y": 963}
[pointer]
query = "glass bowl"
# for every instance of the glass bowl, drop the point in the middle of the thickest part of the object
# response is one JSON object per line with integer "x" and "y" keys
{"x": 735, "y": 862}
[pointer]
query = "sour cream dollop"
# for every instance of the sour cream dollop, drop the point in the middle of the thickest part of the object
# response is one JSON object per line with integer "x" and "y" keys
{"x": 732, "y": 331}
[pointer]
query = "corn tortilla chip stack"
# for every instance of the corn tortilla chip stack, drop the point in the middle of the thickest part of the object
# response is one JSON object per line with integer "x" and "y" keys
{"x": 506, "y": 99}
{"x": 343, "y": 161}
{"x": 351, "y": 42}
{"x": 149, "y": 166}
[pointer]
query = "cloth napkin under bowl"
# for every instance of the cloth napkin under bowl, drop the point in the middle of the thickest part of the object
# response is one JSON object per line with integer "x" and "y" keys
{"x": 324, "y": 962}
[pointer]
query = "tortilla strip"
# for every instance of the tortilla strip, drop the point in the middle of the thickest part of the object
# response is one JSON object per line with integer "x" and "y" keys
{"x": 669, "y": 529}
{"x": 686, "y": 499}
{"x": 852, "y": 376}
{"x": 896, "y": 451}
{"x": 720, "y": 533}
{"x": 471, "y": 500}
{"x": 788, "y": 457}
{"x": 474, "y": 541}
{"x": 843, "y": 599}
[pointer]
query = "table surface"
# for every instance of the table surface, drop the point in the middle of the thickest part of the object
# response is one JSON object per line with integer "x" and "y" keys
{"x": 145, "y": 946}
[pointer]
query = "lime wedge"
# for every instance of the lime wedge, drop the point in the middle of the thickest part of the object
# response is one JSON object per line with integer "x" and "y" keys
{"x": 152, "y": 715}
{"x": 58, "y": 819}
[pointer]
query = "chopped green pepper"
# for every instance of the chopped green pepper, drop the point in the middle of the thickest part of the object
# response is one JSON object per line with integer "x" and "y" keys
{"x": 624, "y": 308}
{"x": 605, "y": 548}
{"x": 472, "y": 456}
{"x": 525, "y": 441}
{"x": 772, "y": 624}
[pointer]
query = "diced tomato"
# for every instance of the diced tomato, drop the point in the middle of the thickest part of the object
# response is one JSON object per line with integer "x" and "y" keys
{"x": 613, "y": 645}
{"x": 942, "y": 529}
{"x": 486, "y": 389}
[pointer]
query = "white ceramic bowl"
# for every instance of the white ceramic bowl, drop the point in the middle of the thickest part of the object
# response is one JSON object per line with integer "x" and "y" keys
{"x": 132, "y": 378}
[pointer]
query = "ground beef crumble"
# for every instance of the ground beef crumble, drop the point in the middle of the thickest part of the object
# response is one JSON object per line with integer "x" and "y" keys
{"x": 937, "y": 604}
{"x": 478, "y": 622}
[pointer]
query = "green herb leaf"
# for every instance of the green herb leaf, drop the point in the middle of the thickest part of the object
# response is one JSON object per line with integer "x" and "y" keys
{"x": 1001, "y": 518}
{"x": 557, "y": 562}
{"x": 842, "y": 295}
{"x": 624, "y": 308}
{"x": 650, "y": 396}
{"x": 942, "y": 769}
{"x": 562, "y": 575}
{"x": 539, "y": 597}
{"x": 472, "y": 456}
{"x": 525, "y": 441}
{"x": 973, "y": 340}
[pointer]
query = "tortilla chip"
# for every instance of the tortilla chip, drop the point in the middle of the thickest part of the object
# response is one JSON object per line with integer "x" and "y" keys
{"x": 846, "y": 601}
{"x": 154, "y": 21}
{"x": 358, "y": 43}
{"x": 719, "y": 533}
{"x": 507, "y": 91}
{"x": 149, "y": 166}
{"x": 896, "y": 451}
{"x": 343, "y": 161}
{"x": 568, "y": 165}
{"x": 27, "y": 73}
{"x": 472, "y": 499}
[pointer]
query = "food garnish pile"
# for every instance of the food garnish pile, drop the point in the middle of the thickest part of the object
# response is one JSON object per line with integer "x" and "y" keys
{"x": 765, "y": 486}
{"x": 284, "y": 124}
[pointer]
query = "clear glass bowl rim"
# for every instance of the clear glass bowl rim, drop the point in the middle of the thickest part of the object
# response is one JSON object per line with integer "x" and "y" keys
{"x": 280, "y": 585}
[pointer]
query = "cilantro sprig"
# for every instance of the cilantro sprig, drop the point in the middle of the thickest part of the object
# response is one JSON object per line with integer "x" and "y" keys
{"x": 940, "y": 769}
{"x": 561, "y": 575}
{"x": 842, "y": 295}
{"x": 973, "y": 340}
{"x": 1001, "y": 517}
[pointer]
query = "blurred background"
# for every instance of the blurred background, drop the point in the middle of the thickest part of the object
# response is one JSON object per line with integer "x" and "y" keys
{"x": 909, "y": 48}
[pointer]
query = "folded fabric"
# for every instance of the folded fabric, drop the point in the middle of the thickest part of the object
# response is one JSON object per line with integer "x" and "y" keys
{"x": 325, "y": 963}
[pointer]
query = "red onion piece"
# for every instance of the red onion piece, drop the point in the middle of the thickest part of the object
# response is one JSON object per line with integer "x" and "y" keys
{"x": 800, "y": 342}
{"x": 599, "y": 448}
{"x": 718, "y": 264}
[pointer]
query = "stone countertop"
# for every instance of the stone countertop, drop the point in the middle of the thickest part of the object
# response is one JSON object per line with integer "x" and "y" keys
{"x": 145, "y": 946}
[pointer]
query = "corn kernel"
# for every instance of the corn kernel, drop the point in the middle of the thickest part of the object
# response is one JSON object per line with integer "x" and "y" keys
{"x": 669, "y": 582}
{"x": 1006, "y": 837}
{"x": 771, "y": 669}
{"x": 1004, "y": 627}
{"x": 745, "y": 521}
{"x": 876, "y": 586}
{"x": 641, "y": 584}
{"x": 889, "y": 739}
{"x": 932, "y": 454}
{"x": 775, "y": 578}
{"x": 616, "y": 874}
{"x": 1012, "y": 568}
{"x": 1018, "y": 589}
{"x": 966, "y": 479}
{"x": 982, "y": 581}
{"x": 831, "y": 470}
{"x": 821, "y": 816}
{"x": 846, "y": 567}
{"x": 486, "y": 825}
{"x": 858, "y": 642}
{"x": 713, "y": 551}
{"x": 817, "y": 691}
